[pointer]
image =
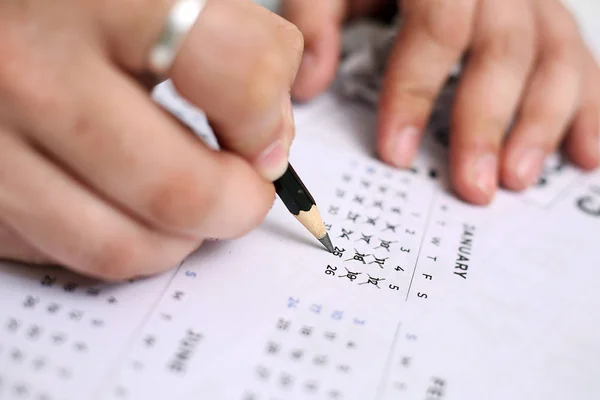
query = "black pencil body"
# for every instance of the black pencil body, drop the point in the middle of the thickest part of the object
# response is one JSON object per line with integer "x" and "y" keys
{"x": 293, "y": 193}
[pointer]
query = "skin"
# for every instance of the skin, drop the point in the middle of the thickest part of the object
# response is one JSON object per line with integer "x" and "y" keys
{"x": 78, "y": 126}
{"x": 95, "y": 176}
{"x": 527, "y": 63}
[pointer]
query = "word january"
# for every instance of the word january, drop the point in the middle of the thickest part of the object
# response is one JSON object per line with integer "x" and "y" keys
{"x": 464, "y": 251}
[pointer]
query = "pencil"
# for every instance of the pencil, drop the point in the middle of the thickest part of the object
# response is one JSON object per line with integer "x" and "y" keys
{"x": 301, "y": 204}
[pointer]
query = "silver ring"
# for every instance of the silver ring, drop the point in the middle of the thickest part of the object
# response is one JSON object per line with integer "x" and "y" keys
{"x": 181, "y": 18}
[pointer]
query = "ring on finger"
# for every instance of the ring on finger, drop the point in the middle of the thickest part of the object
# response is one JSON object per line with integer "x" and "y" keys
{"x": 180, "y": 19}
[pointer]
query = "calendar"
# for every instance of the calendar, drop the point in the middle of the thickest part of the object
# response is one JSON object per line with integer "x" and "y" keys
{"x": 424, "y": 297}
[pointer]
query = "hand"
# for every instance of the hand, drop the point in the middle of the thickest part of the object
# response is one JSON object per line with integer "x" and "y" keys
{"x": 94, "y": 175}
{"x": 527, "y": 64}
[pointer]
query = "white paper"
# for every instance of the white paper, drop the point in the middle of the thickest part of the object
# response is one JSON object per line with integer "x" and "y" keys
{"x": 445, "y": 301}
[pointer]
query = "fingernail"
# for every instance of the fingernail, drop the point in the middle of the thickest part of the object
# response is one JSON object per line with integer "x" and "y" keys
{"x": 273, "y": 161}
{"x": 404, "y": 146}
{"x": 484, "y": 174}
{"x": 530, "y": 166}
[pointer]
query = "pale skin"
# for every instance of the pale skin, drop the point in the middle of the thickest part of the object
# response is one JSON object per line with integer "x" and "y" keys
{"x": 527, "y": 63}
{"x": 97, "y": 178}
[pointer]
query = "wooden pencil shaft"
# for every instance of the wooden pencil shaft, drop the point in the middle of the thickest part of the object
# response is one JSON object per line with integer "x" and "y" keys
{"x": 293, "y": 193}
{"x": 312, "y": 221}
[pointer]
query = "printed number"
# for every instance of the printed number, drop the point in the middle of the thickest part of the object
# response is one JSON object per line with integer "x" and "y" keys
{"x": 330, "y": 270}
{"x": 30, "y": 302}
{"x": 338, "y": 252}
{"x": 34, "y": 332}
{"x": 589, "y": 205}
{"x": 404, "y": 250}
{"x": 12, "y": 325}
{"x": 394, "y": 287}
{"x": 48, "y": 280}
{"x": 191, "y": 274}
{"x": 554, "y": 170}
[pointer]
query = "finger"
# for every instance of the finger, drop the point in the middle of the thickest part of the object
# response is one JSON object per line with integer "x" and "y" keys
{"x": 550, "y": 101}
{"x": 241, "y": 78}
{"x": 489, "y": 93}
{"x": 320, "y": 24}
{"x": 14, "y": 248}
{"x": 431, "y": 40}
{"x": 112, "y": 136}
{"x": 61, "y": 218}
{"x": 582, "y": 145}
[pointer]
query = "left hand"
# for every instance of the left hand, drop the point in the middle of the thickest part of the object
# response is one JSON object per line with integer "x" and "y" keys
{"x": 527, "y": 63}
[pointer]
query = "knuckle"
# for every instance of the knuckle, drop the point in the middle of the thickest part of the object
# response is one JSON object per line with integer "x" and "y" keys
{"x": 121, "y": 257}
{"x": 421, "y": 96}
{"x": 511, "y": 46}
{"x": 484, "y": 135}
{"x": 478, "y": 145}
{"x": 447, "y": 23}
{"x": 180, "y": 202}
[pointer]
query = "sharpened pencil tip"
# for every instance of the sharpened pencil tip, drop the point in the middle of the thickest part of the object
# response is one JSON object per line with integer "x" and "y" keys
{"x": 326, "y": 241}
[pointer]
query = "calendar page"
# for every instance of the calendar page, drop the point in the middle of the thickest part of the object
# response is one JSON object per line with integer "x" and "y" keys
{"x": 425, "y": 297}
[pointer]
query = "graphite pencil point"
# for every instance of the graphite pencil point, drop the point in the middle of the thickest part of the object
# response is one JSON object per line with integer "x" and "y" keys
{"x": 326, "y": 241}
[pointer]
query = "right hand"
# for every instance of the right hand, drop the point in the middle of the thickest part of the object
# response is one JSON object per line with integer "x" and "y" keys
{"x": 95, "y": 176}
{"x": 529, "y": 84}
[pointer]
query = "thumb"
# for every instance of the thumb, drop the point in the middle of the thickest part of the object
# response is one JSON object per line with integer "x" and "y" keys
{"x": 320, "y": 23}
